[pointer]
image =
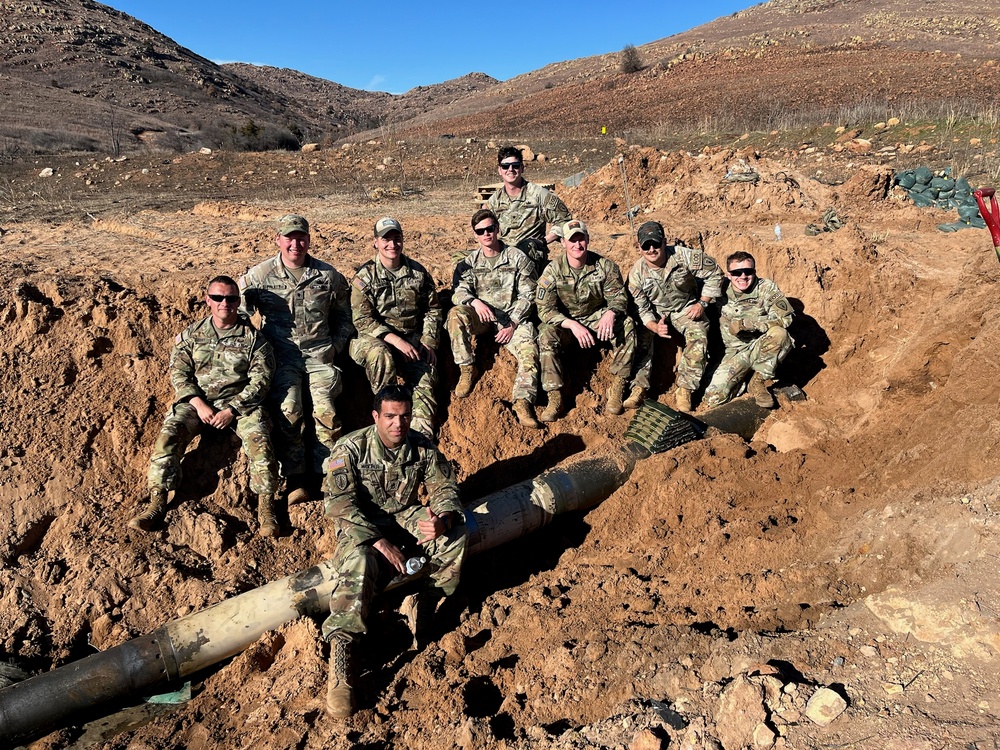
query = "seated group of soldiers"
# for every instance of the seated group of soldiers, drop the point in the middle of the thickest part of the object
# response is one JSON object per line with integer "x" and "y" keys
{"x": 390, "y": 492}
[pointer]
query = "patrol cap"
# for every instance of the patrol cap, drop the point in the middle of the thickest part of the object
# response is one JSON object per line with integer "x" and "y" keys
{"x": 385, "y": 225}
{"x": 292, "y": 223}
{"x": 651, "y": 231}
{"x": 574, "y": 226}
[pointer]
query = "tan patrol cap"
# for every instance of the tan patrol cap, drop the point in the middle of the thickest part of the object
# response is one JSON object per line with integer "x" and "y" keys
{"x": 292, "y": 223}
{"x": 385, "y": 225}
{"x": 574, "y": 227}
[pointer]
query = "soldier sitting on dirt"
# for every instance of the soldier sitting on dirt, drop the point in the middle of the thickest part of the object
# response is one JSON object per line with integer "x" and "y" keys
{"x": 754, "y": 322}
{"x": 524, "y": 208}
{"x": 495, "y": 294}
{"x": 372, "y": 493}
{"x": 664, "y": 283}
{"x": 583, "y": 294}
{"x": 398, "y": 316}
{"x": 221, "y": 368}
{"x": 305, "y": 309}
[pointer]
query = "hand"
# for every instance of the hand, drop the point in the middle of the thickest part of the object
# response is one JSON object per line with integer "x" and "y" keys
{"x": 696, "y": 311}
{"x": 504, "y": 335}
{"x": 735, "y": 326}
{"x": 584, "y": 336}
{"x": 428, "y": 355}
{"x": 391, "y": 553}
{"x": 660, "y": 328}
{"x": 484, "y": 311}
{"x": 431, "y": 527}
{"x": 222, "y": 419}
{"x": 204, "y": 410}
{"x": 408, "y": 350}
{"x": 606, "y": 326}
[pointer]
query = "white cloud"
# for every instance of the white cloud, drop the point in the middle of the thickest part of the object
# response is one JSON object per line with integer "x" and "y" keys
{"x": 376, "y": 82}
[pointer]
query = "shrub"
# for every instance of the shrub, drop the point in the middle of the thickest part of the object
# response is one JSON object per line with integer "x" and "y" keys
{"x": 631, "y": 61}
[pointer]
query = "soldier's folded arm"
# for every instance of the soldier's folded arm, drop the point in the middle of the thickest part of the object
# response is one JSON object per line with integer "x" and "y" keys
{"x": 182, "y": 376}
{"x": 366, "y": 318}
{"x": 261, "y": 373}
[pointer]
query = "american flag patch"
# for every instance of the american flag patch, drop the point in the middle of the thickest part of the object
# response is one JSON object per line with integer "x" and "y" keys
{"x": 358, "y": 283}
{"x": 544, "y": 282}
{"x": 337, "y": 463}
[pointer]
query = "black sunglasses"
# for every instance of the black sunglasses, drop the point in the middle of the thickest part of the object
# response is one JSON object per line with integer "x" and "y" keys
{"x": 232, "y": 299}
{"x": 511, "y": 165}
{"x": 486, "y": 230}
{"x": 743, "y": 272}
{"x": 652, "y": 245}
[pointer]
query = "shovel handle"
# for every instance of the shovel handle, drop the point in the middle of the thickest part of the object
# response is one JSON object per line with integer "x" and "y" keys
{"x": 990, "y": 214}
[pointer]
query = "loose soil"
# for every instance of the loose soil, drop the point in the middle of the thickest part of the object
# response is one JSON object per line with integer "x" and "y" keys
{"x": 851, "y": 544}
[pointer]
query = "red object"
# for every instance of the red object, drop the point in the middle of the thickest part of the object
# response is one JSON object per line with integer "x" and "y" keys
{"x": 990, "y": 214}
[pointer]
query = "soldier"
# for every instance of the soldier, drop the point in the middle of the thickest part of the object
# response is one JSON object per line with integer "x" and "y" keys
{"x": 524, "y": 208}
{"x": 220, "y": 368}
{"x": 398, "y": 316}
{"x": 664, "y": 283}
{"x": 496, "y": 294}
{"x": 754, "y": 322}
{"x": 304, "y": 305}
{"x": 371, "y": 493}
{"x": 582, "y": 293}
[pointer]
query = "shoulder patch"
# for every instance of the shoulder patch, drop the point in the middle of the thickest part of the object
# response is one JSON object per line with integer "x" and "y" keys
{"x": 545, "y": 282}
{"x": 337, "y": 463}
{"x": 359, "y": 283}
{"x": 179, "y": 338}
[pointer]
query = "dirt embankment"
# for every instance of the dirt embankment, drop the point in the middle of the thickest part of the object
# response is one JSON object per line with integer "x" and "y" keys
{"x": 832, "y": 550}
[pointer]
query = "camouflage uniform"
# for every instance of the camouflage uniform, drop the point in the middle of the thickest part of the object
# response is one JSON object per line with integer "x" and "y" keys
{"x": 372, "y": 494}
{"x": 403, "y": 302}
{"x": 227, "y": 368}
{"x": 525, "y": 217}
{"x": 308, "y": 322}
{"x": 765, "y": 315}
{"x": 667, "y": 293}
{"x": 507, "y": 285}
{"x": 584, "y": 297}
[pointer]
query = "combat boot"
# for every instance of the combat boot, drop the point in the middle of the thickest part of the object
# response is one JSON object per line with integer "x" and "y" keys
{"x": 551, "y": 412}
{"x": 297, "y": 491}
{"x": 616, "y": 392}
{"x": 265, "y": 515}
{"x": 339, "y": 691}
{"x": 682, "y": 398}
{"x": 153, "y": 513}
{"x": 758, "y": 389}
{"x": 465, "y": 382}
{"x": 419, "y": 610}
{"x": 635, "y": 398}
{"x": 526, "y": 414}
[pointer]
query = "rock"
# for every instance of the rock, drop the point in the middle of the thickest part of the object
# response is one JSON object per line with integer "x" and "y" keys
{"x": 389, "y": 161}
{"x": 975, "y": 142}
{"x": 892, "y": 122}
{"x": 646, "y": 740}
{"x": 740, "y": 709}
{"x": 47, "y": 172}
{"x": 824, "y": 706}
{"x": 204, "y": 150}
{"x": 526, "y": 153}
{"x": 764, "y": 736}
{"x": 870, "y": 184}
{"x": 346, "y": 146}
{"x": 858, "y": 145}
{"x": 541, "y": 158}
{"x": 308, "y": 148}
{"x": 202, "y": 532}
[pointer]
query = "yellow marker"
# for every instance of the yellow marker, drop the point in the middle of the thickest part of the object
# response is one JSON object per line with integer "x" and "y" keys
{"x": 604, "y": 130}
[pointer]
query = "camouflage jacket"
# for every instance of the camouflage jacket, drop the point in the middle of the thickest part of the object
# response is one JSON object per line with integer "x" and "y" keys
{"x": 508, "y": 286}
{"x": 311, "y": 316}
{"x": 562, "y": 295}
{"x": 404, "y": 302}
{"x": 366, "y": 484}
{"x": 526, "y": 215}
{"x": 758, "y": 309}
{"x": 660, "y": 291}
{"x": 233, "y": 367}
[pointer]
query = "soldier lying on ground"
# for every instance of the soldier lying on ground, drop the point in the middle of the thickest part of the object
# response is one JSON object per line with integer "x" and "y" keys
{"x": 754, "y": 322}
{"x": 495, "y": 294}
{"x": 221, "y": 368}
{"x": 372, "y": 496}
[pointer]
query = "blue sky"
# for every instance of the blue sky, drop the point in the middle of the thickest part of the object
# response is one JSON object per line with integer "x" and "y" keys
{"x": 394, "y": 46}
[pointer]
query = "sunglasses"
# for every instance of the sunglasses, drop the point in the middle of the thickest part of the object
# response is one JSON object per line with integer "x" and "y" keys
{"x": 743, "y": 272}
{"x": 508, "y": 165}
{"x": 486, "y": 230}
{"x": 651, "y": 245}
{"x": 232, "y": 299}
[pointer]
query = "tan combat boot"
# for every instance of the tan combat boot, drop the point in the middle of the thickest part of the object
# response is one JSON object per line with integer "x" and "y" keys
{"x": 758, "y": 389}
{"x": 265, "y": 515}
{"x": 153, "y": 513}
{"x": 465, "y": 382}
{"x": 339, "y": 692}
{"x": 297, "y": 491}
{"x": 419, "y": 609}
{"x": 635, "y": 398}
{"x": 682, "y": 397}
{"x": 616, "y": 392}
{"x": 551, "y": 412}
{"x": 526, "y": 414}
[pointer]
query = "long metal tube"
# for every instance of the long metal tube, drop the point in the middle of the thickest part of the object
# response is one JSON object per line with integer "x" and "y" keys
{"x": 56, "y": 699}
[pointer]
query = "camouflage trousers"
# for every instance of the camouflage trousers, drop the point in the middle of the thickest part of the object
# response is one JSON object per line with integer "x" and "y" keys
{"x": 182, "y": 425}
{"x": 463, "y": 324}
{"x": 363, "y": 571}
{"x": 384, "y": 364}
{"x": 292, "y": 378}
{"x": 552, "y": 338}
{"x": 761, "y": 355}
{"x": 693, "y": 358}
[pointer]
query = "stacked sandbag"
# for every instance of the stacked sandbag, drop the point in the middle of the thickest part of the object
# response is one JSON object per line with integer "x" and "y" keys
{"x": 940, "y": 190}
